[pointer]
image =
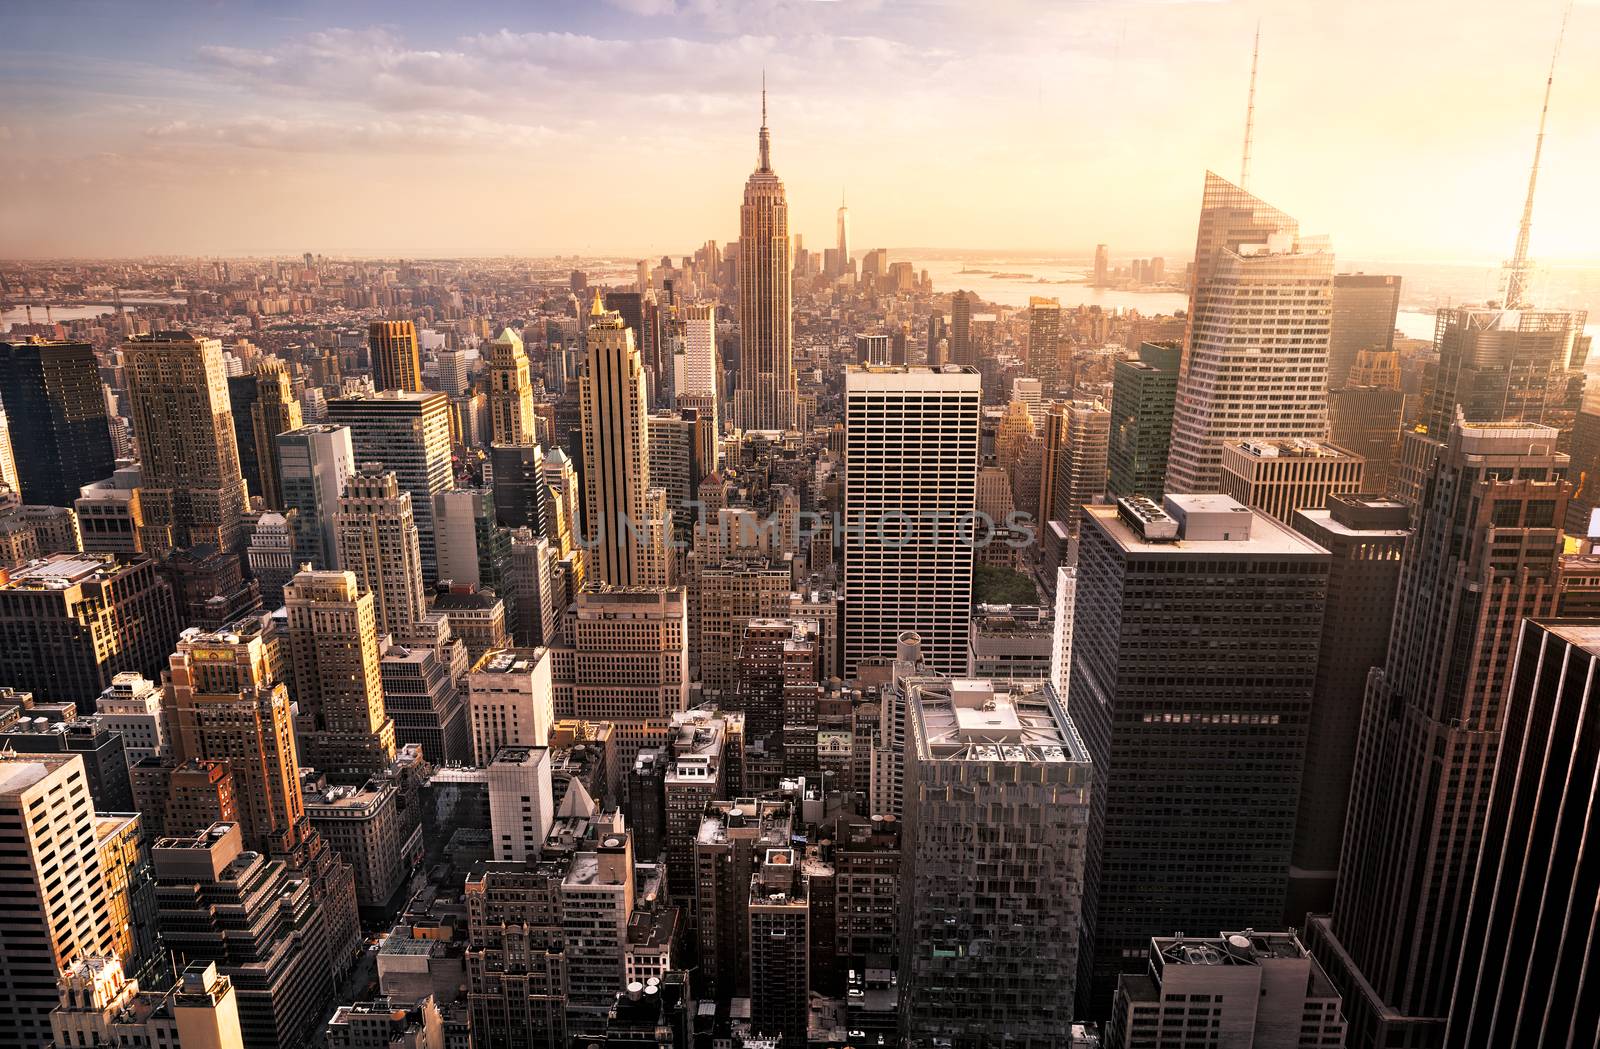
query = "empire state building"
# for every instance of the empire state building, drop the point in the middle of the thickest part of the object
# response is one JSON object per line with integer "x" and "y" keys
{"x": 764, "y": 398}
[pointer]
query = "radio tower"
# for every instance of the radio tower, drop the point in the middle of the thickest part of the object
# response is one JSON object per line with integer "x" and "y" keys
{"x": 1518, "y": 269}
{"x": 1250, "y": 112}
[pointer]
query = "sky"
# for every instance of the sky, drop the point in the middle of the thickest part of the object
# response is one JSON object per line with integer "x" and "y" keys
{"x": 1403, "y": 129}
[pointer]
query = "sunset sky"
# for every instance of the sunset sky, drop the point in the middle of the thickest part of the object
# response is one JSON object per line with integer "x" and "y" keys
{"x": 1403, "y": 129}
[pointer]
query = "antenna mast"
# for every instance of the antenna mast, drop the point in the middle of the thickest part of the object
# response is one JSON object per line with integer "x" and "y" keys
{"x": 1518, "y": 269}
{"x": 1250, "y": 112}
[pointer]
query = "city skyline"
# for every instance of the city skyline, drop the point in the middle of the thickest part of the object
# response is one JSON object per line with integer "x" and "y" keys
{"x": 291, "y": 109}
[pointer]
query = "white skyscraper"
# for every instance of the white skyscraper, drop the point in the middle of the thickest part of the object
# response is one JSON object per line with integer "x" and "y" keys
{"x": 911, "y": 449}
{"x": 1256, "y": 360}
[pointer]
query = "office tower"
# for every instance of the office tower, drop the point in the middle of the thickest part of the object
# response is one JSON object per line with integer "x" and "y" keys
{"x": 105, "y": 761}
{"x": 842, "y": 228}
{"x": 258, "y": 923}
{"x": 764, "y": 395}
{"x": 1081, "y": 461}
{"x": 1533, "y": 895}
{"x": 477, "y": 616}
{"x": 423, "y": 674}
{"x": 69, "y": 623}
{"x": 409, "y": 433}
{"x": 473, "y": 548}
{"x": 198, "y": 793}
{"x": 377, "y": 540}
{"x": 961, "y": 348}
{"x": 1373, "y": 368}
{"x": 780, "y": 948}
{"x": 343, "y": 729}
{"x": 54, "y": 893}
{"x": 911, "y": 437}
{"x": 521, "y": 801}
{"x": 733, "y": 839}
{"x": 1503, "y": 365}
{"x": 871, "y": 348}
{"x": 1257, "y": 356}
{"x": 726, "y": 596}
{"x": 274, "y": 411}
{"x": 54, "y": 404}
{"x": 597, "y": 898}
{"x": 1585, "y": 472}
{"x": 1044, "y": 344}
{"x": 1280, "y": 476}
{"x": 1001, "y": 756}
{"x": 452, "y": 373}
{"x": 100, "y": 1006}
{"x": 517, "y": 480}
{"x": 1010, "y": 641}
{"x": 192, "y": 491}
{"x": 672, "y": 461}
{"x": 1142, "y": 395}
{"x": 695, "y": 775}
{"x": 396, "y": 364}
{"x": 698, "y": 383}
{"x": 630, "y": 306}
{"x": 646, "y": 792}
{"x": 623, "y": 517}
{"x": 510, "y": 391}
{"x": 385, "y": 1023}
{"x": 227, "y": 704}
{"x": 1227, "y": 609}
{"x": 374, "y": 829}
{"x": 777, "y": 690}
{"x": 1366, "y": 534}
{"x": 626, "y": 662}
{"x": 510, "y": 701}
{"x": 1364, "y": 307}
{"x": 242, "y": 394}
{"x": 8, "y": 458}
{"x": 1261, "y": 988}
{"x": 131, "y": 707}
{"x": 312, "y": 464}
{"x": 270, "y": 556}
{"x": 1366, "y": 420}
{"x": 130, "y": 893}
{"x": 535, "y": 592}
{"x": 1102, "y": 265}
{"x": 1484, "y": 556}
{"x": 516, "y": 958}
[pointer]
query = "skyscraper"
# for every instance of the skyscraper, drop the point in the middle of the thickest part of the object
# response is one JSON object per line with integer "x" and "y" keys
{"x": 312, "y": 464}
{"x": 1257, "y": 355}
{"x": 1503, "y": 365}
{"x": 54, "y": 894}
{"x": 765, "y": 397}
{"x": 1142, "y": 394}
{"x": 842, "y": 226}
{"x": 624, "y": 517}
{"x": 274, "y": 411}
{"x": 377, "y": 539}
{"x": 396, "y": 363}
{"x": 983, "y": 761}
{"x": 1194, "y": 658}
{"x": 1080, "y": 467}
{"x": 1364, "y": 307}
{"x": 1044, "y": 344}
{"x": 1102, "y": 265}
{"x": 1533, "y": 895}
{"x": 8, "y": 458}
{"x": 1483, "y": 557}
{"x": 53, "y": 397}
{"x": 333, "y": 644}
{"x": 510, "y": 391}
{"x": 961, "y": 349}
{"x": 192, "y": 491}
{"x": 911, "y": 453}
{"x": 1281, "y": 476}
{"x": 409, "y": 433}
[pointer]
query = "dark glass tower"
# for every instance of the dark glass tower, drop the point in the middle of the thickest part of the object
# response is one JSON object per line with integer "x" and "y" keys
{"x": 1142, "y": 392}
{"x": 57, "y": 409}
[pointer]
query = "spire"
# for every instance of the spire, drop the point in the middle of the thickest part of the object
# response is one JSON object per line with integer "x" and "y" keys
{"x": 1250, "y": 112}
{"x": 1517, "y": 269}
{"x": 764, "y": 161}
{"x": 598, "y": 309}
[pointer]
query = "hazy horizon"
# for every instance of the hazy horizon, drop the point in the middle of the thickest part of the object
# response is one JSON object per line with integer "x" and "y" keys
{"x": 626, "y": 129}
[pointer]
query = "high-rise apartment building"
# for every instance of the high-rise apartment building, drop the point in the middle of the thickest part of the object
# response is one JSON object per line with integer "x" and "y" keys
{"x": 1250, "y": 988}
{"x": 626, "y": 662}
{"x": 1532, "y": 896}
{"x": 1364, "y": 307}
{"x": 192, "y": 492}
{"x": 779, "y": 913}
{"x": 912, "y": 442}
{"x": 275, "y": 410}
{"x": 409, "y": 433}
{"x": 1366, "y": 534}
{"x": 1281, "y": 475}
{"x": 312, "y": 464}
{"x": 991, "y": 757}
{"x": 69, "y": 623}
{"x": 344, "y": 731}
{"x": 1044, "y": 344}
{"x": 376, "y": 537}
{"x": 1194, "y": 658}
{"x": 1257, "y": 355}
{"x": 54, "y": 894}
{"x": 396, "y": 362}
{"x": 131, "y": 707}
{"x": 623, "y": 516}
{"x": 1484, "y": 557}
{"x": 961, "y": 348}
{"x": 54, "y": 400}
{"x": 510, "y": 391}
{"x": 764, "y": 395}
{"x": 1142, "y": 395}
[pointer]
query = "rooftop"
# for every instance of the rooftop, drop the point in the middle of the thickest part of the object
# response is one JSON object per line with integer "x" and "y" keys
{"x": 967, "y": 719}
{"x": 1194, "y": 524}
{"x": 1289, "y": 447}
